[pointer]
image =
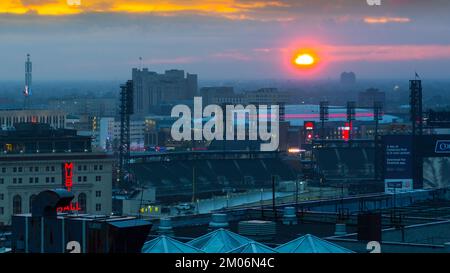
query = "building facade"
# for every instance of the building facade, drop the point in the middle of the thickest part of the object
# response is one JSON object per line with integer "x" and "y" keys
{"x": 35, "y": 158}
{"x": 152, "y": 89}
{"x": 55, "y": 118}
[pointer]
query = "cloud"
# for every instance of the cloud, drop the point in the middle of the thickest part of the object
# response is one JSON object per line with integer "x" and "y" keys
{"x": 384, "y": 20}
{"x": 177, "y": 60}
{"x": 37, "y": 2}
{"x": 235, "y": 55}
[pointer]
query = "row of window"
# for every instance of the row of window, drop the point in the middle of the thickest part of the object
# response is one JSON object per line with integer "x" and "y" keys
{"x": 85, "y": 168}
{"x": 49, "y": 169}
{"x": 19, "y": 180}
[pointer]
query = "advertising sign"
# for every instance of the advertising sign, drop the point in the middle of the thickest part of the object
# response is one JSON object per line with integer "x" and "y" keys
{"x": 398, "y": 172}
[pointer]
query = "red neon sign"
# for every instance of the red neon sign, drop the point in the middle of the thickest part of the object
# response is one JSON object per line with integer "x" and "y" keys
{"x": 72, "y": 207}
{"x": 68, "y": 177}
{"x": 68, "y": 172}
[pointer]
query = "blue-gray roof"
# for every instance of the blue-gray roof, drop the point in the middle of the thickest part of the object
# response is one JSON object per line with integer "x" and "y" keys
{"x": 165, "y": 244}
{"x": 253, "y": 247}
{"x": 311, "y": 244}
{"x": 219, "y": 241}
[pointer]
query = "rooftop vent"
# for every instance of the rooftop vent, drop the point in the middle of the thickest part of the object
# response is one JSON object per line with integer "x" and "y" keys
{"x": 219, "y": 220}
{"x": 289, "y": 216}
{"x": 341, "y": 229}
{"x": 165, "y": 226}
{"x": 257, "y": 229}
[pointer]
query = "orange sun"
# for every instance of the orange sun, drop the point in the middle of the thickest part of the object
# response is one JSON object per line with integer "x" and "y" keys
{"x": 305, "y": 58}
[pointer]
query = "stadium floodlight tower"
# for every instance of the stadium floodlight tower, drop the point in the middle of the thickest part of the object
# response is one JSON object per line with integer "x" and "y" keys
{"x": 351, "y": 113}
{"x": 377, "y": 116}
{"x": 416, "y": 114}
{"x": 324, "y": 116}
{"x": 28, "y": 81}
{"x": 126, "y": 109}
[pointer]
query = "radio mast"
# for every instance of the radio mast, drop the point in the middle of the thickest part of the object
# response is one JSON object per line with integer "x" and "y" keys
{"x": 28, "y": 81}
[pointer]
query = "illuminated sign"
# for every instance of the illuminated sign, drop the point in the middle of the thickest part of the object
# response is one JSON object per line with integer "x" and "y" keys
{"x": 68, "y": 183}
{"x": 68, "y": 175}
{"x": 309, "y": 125}
{"x": 442, "y": 147}
{"x": 346, "y": 130}
{"x": 72, "y": 207}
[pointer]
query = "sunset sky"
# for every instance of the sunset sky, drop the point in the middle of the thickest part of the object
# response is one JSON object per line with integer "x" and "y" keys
{"x": 224, "y": 39}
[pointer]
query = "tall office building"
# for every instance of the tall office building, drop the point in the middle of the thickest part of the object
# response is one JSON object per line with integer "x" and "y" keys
{"x": 348, "y": 78}
{"x": 151, "y": 89}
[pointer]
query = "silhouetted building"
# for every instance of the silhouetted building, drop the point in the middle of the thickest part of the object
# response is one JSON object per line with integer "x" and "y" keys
{"x": 152, "y": 89}
{"x": 348, "y": 78}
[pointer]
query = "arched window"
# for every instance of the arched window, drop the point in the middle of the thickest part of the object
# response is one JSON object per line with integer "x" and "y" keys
{"x": 32, "y": 197}
{"x": 82, "y": 202}
{"x": 17, "y": 204}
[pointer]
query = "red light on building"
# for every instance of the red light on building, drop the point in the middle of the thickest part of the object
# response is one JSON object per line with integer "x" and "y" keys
{"x": 68, "y": 172}
{"x": 309, "y": 125}
{"x": 346, "y": 131}
{"x": 72, "y": 207}
{"x": 68, "y": 182}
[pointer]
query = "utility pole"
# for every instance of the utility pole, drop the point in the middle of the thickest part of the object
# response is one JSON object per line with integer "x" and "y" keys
{"x": 193, "y": 184}
{"x": 273, "y": 197}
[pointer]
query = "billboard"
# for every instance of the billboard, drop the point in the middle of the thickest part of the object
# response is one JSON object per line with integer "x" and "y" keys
{"x": 398, "y": 172}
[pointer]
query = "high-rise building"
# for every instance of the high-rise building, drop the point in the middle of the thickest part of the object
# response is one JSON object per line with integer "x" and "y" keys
{"x": 152, "y": 89}
{"x": 348, "y": 78}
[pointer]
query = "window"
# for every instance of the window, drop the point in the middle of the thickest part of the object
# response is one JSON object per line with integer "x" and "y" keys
{"x": 2, "y": 210}
{"x": 20, "y": 180}
{"x": 20, "y": 169}
{"x": 30, "y": 179}
{"x": 53, "y": 180}
{"x": 98, "y": 207}
{"x": 36, "y": 169}
{"x": 79, "y": 178}
{"x": 98, "y": 193}
{"x": 2, "y": 196}
{"x": 14, "y": 169}
{"x": 14, "y": 180}
{"x": 47, "y": 179}
{"x": 100, "y": 167}
{"x": 82, "y": 202}
{"x": 3, "y": 170}
{"x": 17, "y": 204}
{"x": 98, "y": 178}
{"x": 47, "y": 169}
{"x": 2, "y": 180}
{"x": 31, "y": 169}
{"x": 36, "y": 180}
{"x": 95, "y": 167}
{"x": 84, "y": 168}
{"x": 84, "y": 178}
{"x": 53, "y": 168}
{"x": 79, "y": 167}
